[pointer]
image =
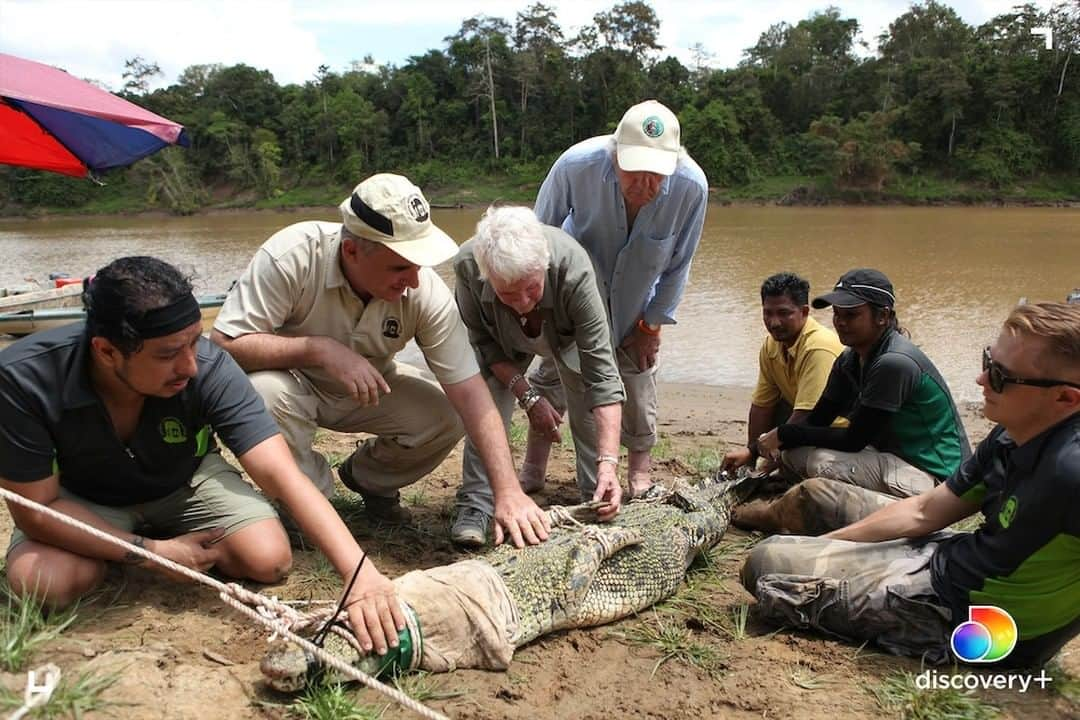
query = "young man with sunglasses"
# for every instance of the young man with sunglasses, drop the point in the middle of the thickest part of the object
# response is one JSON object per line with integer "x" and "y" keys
{"x": 905, "y": 435}
{"x": 893, "y": 578}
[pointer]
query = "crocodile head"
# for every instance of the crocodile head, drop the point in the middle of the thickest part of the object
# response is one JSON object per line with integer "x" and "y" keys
{"x": 287, "y": 667}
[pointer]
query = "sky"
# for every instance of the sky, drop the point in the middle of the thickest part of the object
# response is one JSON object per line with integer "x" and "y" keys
{"x": 292, "y": 38}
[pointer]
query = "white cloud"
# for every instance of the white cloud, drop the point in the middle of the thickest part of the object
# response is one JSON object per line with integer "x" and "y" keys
{"x": 291, "y": 38}
{"x": 92, "y": 39}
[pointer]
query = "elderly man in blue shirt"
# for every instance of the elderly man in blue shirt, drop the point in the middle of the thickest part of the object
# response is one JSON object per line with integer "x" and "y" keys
{"x": 636, "y": 201}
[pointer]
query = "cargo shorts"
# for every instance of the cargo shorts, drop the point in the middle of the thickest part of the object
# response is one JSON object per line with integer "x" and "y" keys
{"x": 216, "y": 496}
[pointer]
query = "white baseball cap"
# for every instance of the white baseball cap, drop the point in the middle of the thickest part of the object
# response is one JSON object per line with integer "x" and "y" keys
{"x": 389, "y": 209}
{"x": 647, "y": 139}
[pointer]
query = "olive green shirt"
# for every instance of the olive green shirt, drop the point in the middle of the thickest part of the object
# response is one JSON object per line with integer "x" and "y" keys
{"x": 574, "y": 319}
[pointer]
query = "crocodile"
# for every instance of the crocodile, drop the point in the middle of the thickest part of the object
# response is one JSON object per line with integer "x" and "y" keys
{"x": 585, "y": 574}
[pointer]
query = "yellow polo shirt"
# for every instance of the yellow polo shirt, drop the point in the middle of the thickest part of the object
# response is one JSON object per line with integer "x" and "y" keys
{"x": 294, "y": 287}
{"x": 798, "y": 375}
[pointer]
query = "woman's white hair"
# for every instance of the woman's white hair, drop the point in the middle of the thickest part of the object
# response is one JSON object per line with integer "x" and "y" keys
{"x": 510, "y": 244}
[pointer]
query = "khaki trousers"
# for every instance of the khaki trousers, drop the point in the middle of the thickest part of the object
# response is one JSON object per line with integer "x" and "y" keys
{"x": 638, "y": 411}
{"x": 415, "y": 427}
{"x": 475, "y": 491}
{"x": 869, "y": 468}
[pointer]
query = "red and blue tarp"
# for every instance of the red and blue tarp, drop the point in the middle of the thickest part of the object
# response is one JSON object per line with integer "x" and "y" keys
{"x": 50, "y": 120}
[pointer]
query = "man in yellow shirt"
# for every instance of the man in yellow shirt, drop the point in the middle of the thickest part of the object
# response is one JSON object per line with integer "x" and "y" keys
{"x": 794, "y": 363}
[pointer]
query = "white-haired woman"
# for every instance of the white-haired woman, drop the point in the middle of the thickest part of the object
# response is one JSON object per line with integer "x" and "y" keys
{"x": 526, "y": 289}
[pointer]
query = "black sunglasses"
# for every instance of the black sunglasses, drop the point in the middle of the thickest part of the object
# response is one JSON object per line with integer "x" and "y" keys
{"x": 999, "y": 378}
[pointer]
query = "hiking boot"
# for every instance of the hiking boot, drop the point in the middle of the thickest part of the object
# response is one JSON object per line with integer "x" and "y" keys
{"x": 379, "y": 508}
{"x": 471, "y": 528}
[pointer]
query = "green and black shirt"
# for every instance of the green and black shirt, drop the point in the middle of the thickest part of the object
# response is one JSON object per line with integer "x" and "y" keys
{"x": 1025, "y": 557}
{"x": 52, "y": 421}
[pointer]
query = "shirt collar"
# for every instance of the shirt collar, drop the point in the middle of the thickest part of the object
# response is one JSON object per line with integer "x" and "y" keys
{"x": 775, "y": 348}
{"x": 335, "y": 278}
{"x": 78, "y": 390}
{"x": 1026, "y": 457}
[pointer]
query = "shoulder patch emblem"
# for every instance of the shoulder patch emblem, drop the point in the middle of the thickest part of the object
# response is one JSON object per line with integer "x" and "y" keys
{"x": 1008, "y": 512}
{"x": 172, "y": 431}
{"x": 391, "y": 328}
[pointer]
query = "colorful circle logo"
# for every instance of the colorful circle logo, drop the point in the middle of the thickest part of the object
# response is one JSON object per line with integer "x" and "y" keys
{"x": 653, "y": 127}
{"x": 988, "y": 635}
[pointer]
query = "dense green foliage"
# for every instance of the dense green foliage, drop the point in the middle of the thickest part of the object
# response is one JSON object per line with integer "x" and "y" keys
{"x": 938, "y": 99}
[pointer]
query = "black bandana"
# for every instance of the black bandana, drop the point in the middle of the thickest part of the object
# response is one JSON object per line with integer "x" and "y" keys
{"x": 168, "y": 319}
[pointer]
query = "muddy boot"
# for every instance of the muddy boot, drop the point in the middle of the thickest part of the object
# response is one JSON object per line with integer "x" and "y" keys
{"x": 378, "y": 508}
{"x": 781, "y": 514}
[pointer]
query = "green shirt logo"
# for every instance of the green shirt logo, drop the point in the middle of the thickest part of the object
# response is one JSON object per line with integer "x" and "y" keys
{"x": 1008, "y": 512}
{"x": 173, "y": 431}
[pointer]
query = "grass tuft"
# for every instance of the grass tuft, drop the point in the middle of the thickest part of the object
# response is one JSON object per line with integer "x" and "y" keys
{"x": 422, "y": 687}
{"x": 673, "y": 642}
{"x": 26, "y": 626}
{"x": 71, "y": 699}
{"x": 331, "y": 701}
{"x": 898, "y": 694}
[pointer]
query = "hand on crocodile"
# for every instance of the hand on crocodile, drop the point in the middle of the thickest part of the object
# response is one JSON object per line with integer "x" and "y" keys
{"x": 608, "y": 490}
{"x": 545, "y": 420}
{"x": 518, "y": 517}
{"x": 374, "y": 611}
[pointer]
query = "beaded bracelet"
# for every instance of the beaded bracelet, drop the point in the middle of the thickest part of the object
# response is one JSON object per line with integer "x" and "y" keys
{"x": 613, "y": 459}
{"x": 514, "y": 381}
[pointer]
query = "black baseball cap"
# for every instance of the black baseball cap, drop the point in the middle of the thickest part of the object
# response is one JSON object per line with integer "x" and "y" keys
{"x": 858, "y": 287}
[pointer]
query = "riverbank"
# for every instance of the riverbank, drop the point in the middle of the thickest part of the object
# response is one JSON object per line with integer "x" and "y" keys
{"x": 179, "y": 653}
{"x": 120, "y": 198}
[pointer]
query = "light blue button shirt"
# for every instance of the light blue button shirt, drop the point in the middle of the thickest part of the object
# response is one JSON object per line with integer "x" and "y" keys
{"x": 641, "y": 271}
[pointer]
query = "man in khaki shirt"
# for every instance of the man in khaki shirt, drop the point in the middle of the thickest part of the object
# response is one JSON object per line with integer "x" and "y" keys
{"x": 794, "y": 363}
{"x": 316, "y": 320}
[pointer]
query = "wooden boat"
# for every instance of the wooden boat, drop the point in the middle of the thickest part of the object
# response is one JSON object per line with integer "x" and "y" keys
{"x": 66, "y": 296}
{"x": 24, "y": 322}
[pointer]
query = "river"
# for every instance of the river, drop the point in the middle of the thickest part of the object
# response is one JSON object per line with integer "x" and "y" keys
{"x": 956, "y": 271}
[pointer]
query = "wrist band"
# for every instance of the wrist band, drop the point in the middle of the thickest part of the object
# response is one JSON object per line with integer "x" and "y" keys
{"x": 613, "y": 459}
{"x": 529, "y": 398}
{"x": 514, "y": 381}
{"x": 644, "y": 327}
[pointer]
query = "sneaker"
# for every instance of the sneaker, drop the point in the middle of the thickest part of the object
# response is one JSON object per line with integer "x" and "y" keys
{"x": 471, "y": 527}
{"x": 379, "y": 508}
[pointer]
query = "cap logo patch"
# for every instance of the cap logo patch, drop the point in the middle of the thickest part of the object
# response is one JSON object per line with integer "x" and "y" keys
{"x": 653, "y": 127}
{"x": 418, "y": 208}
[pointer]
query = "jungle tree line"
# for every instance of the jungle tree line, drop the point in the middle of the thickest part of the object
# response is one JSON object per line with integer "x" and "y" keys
{"x": 987, "y": 103}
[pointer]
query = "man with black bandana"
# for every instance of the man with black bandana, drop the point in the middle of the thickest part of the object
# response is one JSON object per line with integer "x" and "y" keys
{"x": 112, "y": 422}
{"x": 904, "y": 434}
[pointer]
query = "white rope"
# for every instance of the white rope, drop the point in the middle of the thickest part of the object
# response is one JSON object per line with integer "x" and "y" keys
{"x": 230, "y": 593}
{"x": 35, "y": 694}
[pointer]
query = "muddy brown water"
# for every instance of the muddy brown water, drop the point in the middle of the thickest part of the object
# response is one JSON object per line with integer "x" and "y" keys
{"x": 957, "y": 271}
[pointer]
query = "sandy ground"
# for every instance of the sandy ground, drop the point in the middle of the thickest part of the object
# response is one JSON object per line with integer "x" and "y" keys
{"x": 182, "y": 654}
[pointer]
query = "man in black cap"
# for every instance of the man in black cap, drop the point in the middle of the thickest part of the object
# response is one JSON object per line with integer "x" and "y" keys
{"x": 904, "y": 434}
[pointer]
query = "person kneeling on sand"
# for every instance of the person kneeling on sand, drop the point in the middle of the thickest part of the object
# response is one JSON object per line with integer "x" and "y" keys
{"x": 526, "y": 289}
{"x": 892, "y": 578}
{"x": 793, "y": 365}
{"x": 904, "y": 435}
{"x": 112, "y": 422}
{"x": 317, "y": 320}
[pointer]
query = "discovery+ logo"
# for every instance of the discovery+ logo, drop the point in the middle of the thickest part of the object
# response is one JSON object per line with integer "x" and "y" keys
{"x": 988, "y": 635}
